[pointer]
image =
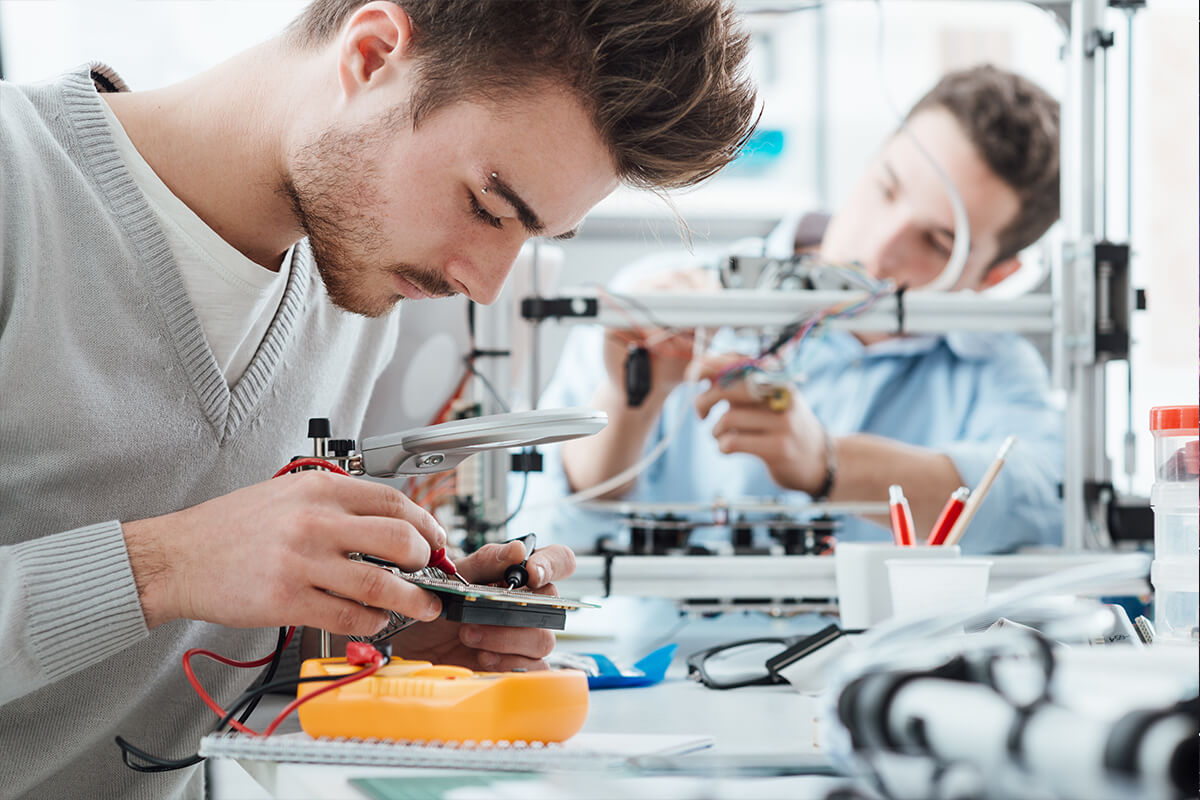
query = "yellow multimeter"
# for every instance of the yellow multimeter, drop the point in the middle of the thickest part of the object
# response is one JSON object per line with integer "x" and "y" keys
{"x": 420, "y": 701}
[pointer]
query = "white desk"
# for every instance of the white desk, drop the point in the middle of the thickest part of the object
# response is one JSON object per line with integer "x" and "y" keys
{"x": 756, "y": 721}
{"x": 760, "y": 721}
{"x": 763, "y": 721}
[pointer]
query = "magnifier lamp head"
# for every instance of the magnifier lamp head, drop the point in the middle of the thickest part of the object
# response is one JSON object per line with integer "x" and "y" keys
{"x": 437, "y": 448}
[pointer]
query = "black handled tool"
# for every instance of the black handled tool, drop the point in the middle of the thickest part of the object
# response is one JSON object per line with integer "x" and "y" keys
{"x": 517, "y": 575}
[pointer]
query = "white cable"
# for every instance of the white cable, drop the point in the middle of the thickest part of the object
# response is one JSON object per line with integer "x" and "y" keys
{"x": 962, "y": 225}
{"x": 699, "y": 344}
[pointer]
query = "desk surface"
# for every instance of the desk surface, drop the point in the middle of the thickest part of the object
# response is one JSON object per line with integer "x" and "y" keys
{"x": 756, "y": 721}
{"x": 760, "y": 721}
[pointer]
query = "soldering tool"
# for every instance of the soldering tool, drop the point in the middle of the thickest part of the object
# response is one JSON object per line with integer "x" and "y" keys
{"x": 517, "y": 575}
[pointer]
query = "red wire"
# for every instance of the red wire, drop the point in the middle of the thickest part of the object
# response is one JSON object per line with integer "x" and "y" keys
{"x": 458, "y": 390}
{"x": 310, "y": 462}
{"x": 197, "y": 651}
{"x": 292, "y": 706}
{"x": 208, "y": 701}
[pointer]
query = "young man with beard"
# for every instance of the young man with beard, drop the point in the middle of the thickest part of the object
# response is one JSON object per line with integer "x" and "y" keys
{"x": 188, "y": 274}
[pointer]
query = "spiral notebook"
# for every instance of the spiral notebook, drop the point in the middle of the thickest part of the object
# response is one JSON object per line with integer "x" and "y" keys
{"x": 584, "y": 751}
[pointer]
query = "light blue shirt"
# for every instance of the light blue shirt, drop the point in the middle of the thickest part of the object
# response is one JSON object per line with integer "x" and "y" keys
{"x": 960, "y": 394}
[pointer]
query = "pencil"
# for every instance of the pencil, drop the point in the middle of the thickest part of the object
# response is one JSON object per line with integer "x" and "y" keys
{"x": 980, "y": 491}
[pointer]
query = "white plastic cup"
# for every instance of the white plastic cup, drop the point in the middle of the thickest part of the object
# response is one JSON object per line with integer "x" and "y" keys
{"x": 864, "y": 598}
{"x": 924, "y": 586}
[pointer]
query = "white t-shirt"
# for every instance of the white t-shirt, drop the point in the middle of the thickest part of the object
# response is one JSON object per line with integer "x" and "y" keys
{"x": 235, "y": 299}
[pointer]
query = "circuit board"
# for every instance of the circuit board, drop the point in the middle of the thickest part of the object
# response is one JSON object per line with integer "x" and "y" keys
{"x": 494, "y": 605}
{"x": 483, "y": 604}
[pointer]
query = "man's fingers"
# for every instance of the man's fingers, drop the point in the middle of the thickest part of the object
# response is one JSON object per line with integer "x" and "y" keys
{"x": 369, "y": 499}
{"x": 487, "y": 564}
{"x": 736, "y": 393}
{"x": 379, "y": 588}
{"x": 383, "y": 537}
{"x": 549, "y": 564}
{"x": 750, "y": 419}
{"x": 527, "y": 642}
{"x": 710, "y": 366}
{"x": 761, "y": 445}
{"x": 341, "y": 616}
{"x": 499, "y": 662}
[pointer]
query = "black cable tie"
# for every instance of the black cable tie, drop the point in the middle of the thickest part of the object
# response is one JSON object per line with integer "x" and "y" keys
{"x": 900, "y": 309}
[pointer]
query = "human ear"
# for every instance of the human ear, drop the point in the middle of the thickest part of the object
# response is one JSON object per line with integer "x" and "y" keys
{"x": 1000, "y": 270}
{"x": 377, "y": 34}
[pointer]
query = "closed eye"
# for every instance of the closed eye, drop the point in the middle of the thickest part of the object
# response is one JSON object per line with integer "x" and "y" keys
{"x": 940, "y": 247}
{"x": 887, "y": 190}
{"x": 481, "y": 213}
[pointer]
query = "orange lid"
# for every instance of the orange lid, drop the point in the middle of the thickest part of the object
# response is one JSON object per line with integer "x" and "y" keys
{"x": 1175, "y": 418}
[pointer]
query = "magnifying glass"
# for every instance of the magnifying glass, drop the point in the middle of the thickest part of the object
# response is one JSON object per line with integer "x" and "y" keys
{"x": 436, "y": 448}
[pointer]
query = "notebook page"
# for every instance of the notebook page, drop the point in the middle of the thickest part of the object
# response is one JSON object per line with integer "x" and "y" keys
{"x": 584, "y": 751}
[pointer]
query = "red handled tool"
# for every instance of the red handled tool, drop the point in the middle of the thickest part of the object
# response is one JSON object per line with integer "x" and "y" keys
{"x": 901, "y": 515}
{"x": 438, "y": 560}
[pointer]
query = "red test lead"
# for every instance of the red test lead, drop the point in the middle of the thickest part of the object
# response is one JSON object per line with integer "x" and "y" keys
{"x": 949, "y": 516}
{"x": 438, "y": 560}
{"x": 902, "y": 521}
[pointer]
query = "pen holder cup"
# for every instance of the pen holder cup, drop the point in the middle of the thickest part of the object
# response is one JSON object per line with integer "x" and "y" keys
{"x": 925, "y": 586}
{"x": 864, "y": 596}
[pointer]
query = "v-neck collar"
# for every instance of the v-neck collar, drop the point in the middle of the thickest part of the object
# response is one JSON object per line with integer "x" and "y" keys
{"x": 226, "y": 409}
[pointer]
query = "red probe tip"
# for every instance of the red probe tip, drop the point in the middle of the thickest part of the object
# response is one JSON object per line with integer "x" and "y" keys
{"x": 438, "y": 560}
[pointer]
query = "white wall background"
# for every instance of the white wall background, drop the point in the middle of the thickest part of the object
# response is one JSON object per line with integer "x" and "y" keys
{"x": 806, "y": 61}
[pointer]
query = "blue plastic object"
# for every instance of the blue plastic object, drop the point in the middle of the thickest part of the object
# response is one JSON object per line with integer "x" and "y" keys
{"x": 650, "y": 670}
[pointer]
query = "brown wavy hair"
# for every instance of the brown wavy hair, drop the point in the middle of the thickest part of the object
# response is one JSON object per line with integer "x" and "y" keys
{"x": 1013, "y": 124}
{"x": 666, "y": 81}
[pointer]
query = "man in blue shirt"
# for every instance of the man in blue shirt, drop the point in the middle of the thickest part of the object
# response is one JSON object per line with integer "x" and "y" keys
{"x": 868, "y": 410}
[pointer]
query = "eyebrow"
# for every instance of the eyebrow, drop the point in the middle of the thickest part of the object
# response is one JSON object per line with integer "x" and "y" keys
{"x": 529, "y": 220}
{"x": 891, "y": 173}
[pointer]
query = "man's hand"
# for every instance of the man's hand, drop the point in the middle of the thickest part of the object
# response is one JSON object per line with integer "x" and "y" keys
{"x": 491, "y": 648}
{"x": 275, "y": 554}
{"x": 591, "y": 460}
{"x": 670, "y": 352}
{"x": 790, "y": 442}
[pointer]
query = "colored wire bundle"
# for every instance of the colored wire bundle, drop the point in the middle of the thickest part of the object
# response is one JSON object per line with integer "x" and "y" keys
{"x": 794, "y": 334}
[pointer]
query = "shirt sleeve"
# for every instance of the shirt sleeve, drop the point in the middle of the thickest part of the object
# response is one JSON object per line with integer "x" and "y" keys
{"x": 67, "y": 601}
{"x": 1023, "y": 507}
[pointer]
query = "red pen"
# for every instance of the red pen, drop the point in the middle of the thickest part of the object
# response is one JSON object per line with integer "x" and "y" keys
{"x": 901, "y": 514}
{"x": 949, "y": 516}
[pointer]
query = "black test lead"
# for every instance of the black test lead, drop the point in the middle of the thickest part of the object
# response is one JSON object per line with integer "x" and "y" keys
{"x": 517, "y": 575}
